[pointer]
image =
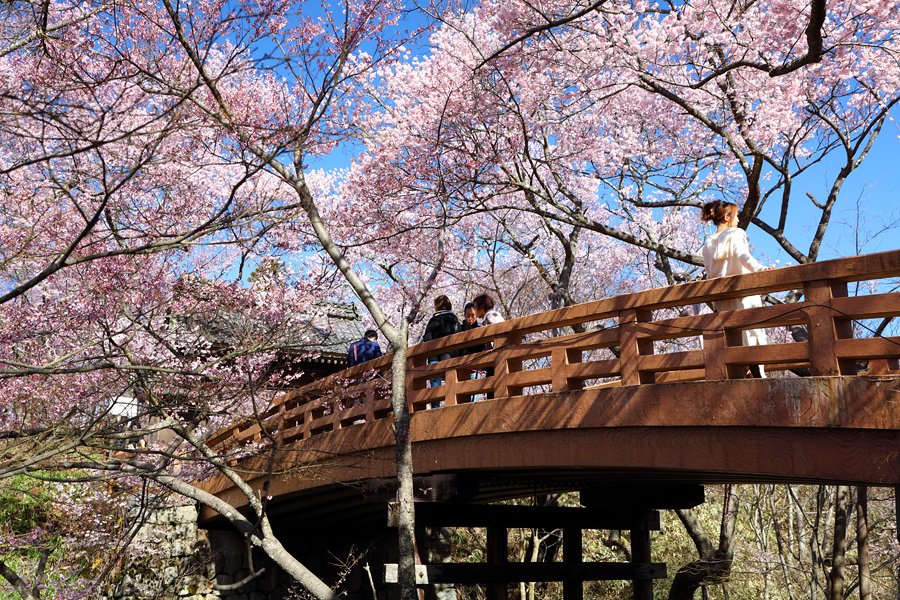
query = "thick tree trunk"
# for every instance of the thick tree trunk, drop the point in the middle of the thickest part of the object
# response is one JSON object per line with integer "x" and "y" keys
{"x": 839, "y": 548}
{"x": 862, "y": 542}
{"x": 406, "y": 561}
{"x": 714, "y": 564}
{"x": 692, "y": 576}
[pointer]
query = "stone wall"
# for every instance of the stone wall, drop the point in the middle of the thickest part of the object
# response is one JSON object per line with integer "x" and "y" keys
{"x": 167, "y": 560}
{"x": 171, "y": 558}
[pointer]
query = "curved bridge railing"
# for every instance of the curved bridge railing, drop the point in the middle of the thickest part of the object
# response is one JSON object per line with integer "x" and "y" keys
{"x": 651, "y": 341}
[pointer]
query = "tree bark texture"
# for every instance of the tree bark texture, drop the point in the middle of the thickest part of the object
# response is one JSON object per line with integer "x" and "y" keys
{"x": 862, "y": 543}
{"x": 714, "y": 564}
{"x": 839, "y": 547}
{"x": 406, "y": 560}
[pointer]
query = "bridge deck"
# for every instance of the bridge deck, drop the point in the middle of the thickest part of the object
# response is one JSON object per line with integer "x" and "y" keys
{"x": 664, "y": 409}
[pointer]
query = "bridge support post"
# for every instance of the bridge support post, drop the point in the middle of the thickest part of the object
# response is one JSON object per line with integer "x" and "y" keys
{"x": 642, "y": 589}
{"x": 497, "y": 553}
{"x": 572, "y": 554}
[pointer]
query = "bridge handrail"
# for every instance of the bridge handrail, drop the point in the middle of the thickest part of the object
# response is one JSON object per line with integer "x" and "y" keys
{"x": 521, "y": 366}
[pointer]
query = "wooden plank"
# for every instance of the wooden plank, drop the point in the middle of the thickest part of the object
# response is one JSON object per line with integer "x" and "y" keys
{"x": 676, "y": 376}
{"x": 672, "y": 361}
{"x": 594, "y": 369}
{"x": 500, "y": 575}
{"x": 714, "y": 352}
{"x": 884, "y": 366}
{"x": 449, "y": 387}
{"x": 505, "y": 363}
{"x": 531, "y": 377}
{"x": 876, "y": 306}
{"x": 694, "y": 326}
{"x": 416, "y": 387}
{"x": 868, "y": 348}
{"x": 425, "y": 395}
{"x": 591, "y": 340}
{"x": 771, "y": 354}
{"x": 370, "y": 402}
{"x": 470, "y": 361}
{"x": 475, "y": 386}
{"x": 433, "y": 514}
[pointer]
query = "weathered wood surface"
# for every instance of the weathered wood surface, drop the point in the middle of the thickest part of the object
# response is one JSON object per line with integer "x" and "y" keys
{"x": 815, "y": 429}
{"x": 658, "y": 408}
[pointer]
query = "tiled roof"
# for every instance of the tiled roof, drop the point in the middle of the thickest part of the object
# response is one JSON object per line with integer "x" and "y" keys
{"x": 326, "y": 327}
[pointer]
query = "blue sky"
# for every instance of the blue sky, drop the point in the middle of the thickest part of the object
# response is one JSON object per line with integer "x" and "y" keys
{"x": 872, "y": 189}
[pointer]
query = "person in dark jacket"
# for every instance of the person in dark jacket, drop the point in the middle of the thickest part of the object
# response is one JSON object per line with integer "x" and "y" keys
{"x": 364, "y": 349}
{"x": 442, "y": 323}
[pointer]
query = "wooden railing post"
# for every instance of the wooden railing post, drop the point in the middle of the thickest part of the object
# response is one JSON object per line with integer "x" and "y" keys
{"x": 633, "y": 346}
{"x": 371, "y": 398}
{"x": 307, "y": 423}
{"x": 714, "y": 344}
{"x": 561, "y": 358}
{"x": 883, "y": 366}
{"x": 714, "y": 352}
{"x": 824, "y": 329}
{"x": 450, "y": 381}
{"x": 503, "y": 365}
{"x": 279, "y": 423}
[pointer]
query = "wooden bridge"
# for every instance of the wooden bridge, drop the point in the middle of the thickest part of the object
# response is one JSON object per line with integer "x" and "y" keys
{"x": 654, "y": 418}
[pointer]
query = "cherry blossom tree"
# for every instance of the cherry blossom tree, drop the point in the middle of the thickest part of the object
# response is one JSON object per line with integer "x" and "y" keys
{"x": 619, "y": 119}
{"x": 148, "y": 148}
{"x": 142, "y": 181}
{"x": 637, "y": 112}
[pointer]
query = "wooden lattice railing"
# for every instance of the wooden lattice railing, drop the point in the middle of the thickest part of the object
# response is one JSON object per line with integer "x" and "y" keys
{"x": 651, "y": 345}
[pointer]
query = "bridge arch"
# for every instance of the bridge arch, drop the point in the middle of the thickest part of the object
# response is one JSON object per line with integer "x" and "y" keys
{"x": 684, "y": 414}
{"x": 659, "y": 415}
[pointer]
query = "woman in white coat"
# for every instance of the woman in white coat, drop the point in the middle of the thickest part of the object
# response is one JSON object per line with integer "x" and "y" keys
{"x": 727, "y": 252}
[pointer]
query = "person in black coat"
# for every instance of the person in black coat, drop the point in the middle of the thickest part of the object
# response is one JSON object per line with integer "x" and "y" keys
{"x": 442, "y": 323}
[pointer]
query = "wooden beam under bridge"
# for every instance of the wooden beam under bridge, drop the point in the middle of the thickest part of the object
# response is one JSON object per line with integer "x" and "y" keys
{"x": 473, "y": 573}
{"x": 497, "y": 573}
{"x": 432, "y": 514}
